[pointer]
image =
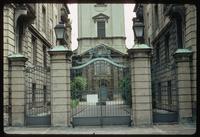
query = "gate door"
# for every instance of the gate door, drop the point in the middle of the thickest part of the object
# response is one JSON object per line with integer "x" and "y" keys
{"x": 37, "y": 96}
{"x": 100, "y": 93}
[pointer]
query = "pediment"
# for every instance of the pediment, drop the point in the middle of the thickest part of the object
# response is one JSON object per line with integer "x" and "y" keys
{"x": 101, "y": 16}
{"x": 102, "y": 49}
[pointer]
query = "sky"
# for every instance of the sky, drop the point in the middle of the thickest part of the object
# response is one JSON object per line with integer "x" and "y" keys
{"x": 128, "y": 13}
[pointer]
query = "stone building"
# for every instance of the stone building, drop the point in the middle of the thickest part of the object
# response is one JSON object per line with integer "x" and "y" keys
{"x": 170, "y": 29}
{"x": 28, "y": 32}
{"x": 101, "y": 34}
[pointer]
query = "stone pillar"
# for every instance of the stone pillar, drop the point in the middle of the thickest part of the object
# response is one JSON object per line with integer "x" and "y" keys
{"x": 60, "y": 86}
{"x": 183, "y": 58}
{"x": 17, "y": 65}
{"x": 141, "y": 84}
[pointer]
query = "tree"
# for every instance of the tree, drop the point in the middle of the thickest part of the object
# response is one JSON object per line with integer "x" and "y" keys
{"x": 78, "y": 85}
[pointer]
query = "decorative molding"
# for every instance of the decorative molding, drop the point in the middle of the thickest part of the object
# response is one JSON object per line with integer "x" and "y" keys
{"x": 100, "y": 16}
{"x": 39, "y": 35}
{"x": 89, "y": 38}
{"x": 162, "y": 31}
{"x": 97, "y": 52}
{"x": 100, "y": 5}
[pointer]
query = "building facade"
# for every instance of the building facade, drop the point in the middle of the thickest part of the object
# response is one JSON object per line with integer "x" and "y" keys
{"x": 99, "y": 24}
{"x": 100, "y": 32}
{"x": 170, "y": 29}
{"x": 28, "y": 31}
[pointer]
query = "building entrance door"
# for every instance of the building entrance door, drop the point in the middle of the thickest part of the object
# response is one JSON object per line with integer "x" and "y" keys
{"x": 103, "y": 93}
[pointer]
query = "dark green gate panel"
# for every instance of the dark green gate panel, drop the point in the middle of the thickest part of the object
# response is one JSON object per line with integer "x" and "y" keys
{"x": 37, "y": 96}
{"x": 39, "y": 121}
{"x": 100, "y": 90}
{"x": 96, "y": 121}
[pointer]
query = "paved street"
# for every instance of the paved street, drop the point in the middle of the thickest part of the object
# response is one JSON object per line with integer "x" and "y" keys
{"x": 185, "y": 129}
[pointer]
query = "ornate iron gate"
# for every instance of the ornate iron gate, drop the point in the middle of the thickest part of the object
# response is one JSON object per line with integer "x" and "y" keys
{"x": 100, "y": 93}
{"x": 37, "y": 97}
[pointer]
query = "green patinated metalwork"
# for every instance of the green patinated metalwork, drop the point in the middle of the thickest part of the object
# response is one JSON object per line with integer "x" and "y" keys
{"x": 183, "y": 51}
{"x": 98, "y": 52}
{"x": 59, "y": 48}
{"x": 17, "y": 55}
{"x": 99, "y": 59}
{"x": 141, "y": 46}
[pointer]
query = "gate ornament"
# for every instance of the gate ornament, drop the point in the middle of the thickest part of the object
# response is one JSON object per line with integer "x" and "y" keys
{"x": 98, "y": 52}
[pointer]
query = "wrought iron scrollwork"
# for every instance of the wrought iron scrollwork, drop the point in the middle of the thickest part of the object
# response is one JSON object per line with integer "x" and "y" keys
{"x": 98, "y": 52}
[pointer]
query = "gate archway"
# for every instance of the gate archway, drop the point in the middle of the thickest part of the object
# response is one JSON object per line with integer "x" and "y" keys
{"x": 100, "y": 93}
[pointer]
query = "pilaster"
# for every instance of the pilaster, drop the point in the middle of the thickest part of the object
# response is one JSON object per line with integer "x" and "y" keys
{"x": 17, "y": 65}
{"x": 183, "y": 70}
{"x": 141, "y": 84}
{"x": 60, "y": 85}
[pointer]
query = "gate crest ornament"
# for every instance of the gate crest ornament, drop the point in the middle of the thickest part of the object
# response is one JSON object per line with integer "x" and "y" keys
{"x": 97, "y": 52}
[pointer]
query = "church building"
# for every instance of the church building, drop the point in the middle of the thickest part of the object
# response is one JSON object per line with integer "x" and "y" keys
{"x": 101, "y": 34}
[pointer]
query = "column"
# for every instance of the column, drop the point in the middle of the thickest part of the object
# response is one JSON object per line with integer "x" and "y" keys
{"x": 60, "y": 86}
{"x": 183, "y": 58}
{"x": 141, "y": 84}
{"x": 17, "y": 71}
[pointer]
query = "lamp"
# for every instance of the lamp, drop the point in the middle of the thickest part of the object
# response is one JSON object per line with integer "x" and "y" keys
{"x": 60, "y": 31}
{"x": 138, "y": 28}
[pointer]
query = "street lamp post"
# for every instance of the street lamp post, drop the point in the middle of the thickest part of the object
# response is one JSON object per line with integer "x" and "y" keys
{"x": 60, "y": 31}
{"x": 60, "y": 78}
{"x": 138, "y": 28}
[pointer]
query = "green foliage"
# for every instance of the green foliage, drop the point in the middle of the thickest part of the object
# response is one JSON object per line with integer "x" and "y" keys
{"x": 78, "y": 85}
{"x": 125, "y": 88}
{"x": 74, "y": 103}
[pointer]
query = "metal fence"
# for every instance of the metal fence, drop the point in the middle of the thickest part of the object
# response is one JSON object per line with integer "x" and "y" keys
{"x": 164, "y": 93}
{"x": 100, "y": 94}
{"x": 37, "y": 97}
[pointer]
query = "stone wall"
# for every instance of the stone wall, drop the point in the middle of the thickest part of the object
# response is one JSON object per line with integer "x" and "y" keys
{"x": 163, "y": 71}
{"x": 9, "y": 42}
{"x": 52, "y": 13}
{"x": 190, "y": 42}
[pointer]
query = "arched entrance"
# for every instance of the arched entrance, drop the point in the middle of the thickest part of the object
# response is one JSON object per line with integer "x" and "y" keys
{"x": 100, "y": 89}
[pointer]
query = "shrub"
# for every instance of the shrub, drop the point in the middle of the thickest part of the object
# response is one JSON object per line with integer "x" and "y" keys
{"x": 78, "y": 85}
{"x": 74, "y": 103}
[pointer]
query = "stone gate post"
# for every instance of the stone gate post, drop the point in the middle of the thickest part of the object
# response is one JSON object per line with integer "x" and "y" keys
{"x": 60, "y": 86}
{"x": 183, "y": 59}
{"x": 17, "y": 89}
{"x": 141, "y": 84}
